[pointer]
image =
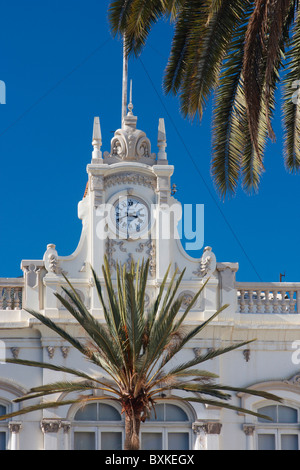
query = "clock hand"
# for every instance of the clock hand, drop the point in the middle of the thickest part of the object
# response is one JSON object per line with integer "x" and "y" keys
{"x": 128, "y": 215}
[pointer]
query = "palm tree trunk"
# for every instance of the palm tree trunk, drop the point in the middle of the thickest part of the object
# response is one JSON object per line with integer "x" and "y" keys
{"x": 132, "y": 430}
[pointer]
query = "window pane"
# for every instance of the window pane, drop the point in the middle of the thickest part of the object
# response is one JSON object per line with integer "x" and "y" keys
{"x": 178, "y": 441}
{"x": 108, "y": 413}
{"x": 111, "y": 441}
{"x": 2, "y": 440}
{"x": 2, "y": 410}
{"x": 151, "y": 441}
{"x": 174, "y": 413}
{"x": 286, "y": 414}
{"x": 84, "y": 441}
{"x": 159, "y": 413}
{"x": 289, "y": 442}
{"x": 88, "y": 413}
{"x": 270, "y": 411}
{"x": 266, "y": 442}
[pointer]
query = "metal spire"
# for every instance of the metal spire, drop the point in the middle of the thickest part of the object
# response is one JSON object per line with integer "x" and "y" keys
{"x": 125, "y": 81}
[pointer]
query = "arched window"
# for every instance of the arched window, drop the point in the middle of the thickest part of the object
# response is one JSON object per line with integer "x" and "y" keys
{"x": 98, "y": 426}
{"x": 169, "y": 428}
{"x": 282, "y": 433}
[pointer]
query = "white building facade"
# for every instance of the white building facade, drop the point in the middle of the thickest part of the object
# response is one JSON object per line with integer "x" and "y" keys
{"x": 130, "y": 175}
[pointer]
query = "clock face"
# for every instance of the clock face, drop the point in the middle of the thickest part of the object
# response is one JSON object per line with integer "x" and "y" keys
{"x": 132, "y": 216}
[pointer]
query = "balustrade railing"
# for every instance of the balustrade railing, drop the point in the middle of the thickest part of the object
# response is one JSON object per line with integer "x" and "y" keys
{"x": 11, "y": 293}
{"x": 265, "y": 297}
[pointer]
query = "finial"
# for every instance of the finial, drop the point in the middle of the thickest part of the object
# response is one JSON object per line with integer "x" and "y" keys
{"x": 97, "y": 140}
{"x": 162, "y": 142}
{"x": 129, "y": 121}
{"x": 130, "y": 106}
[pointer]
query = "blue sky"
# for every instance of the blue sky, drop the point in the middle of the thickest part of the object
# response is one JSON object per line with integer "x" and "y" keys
{"x": 62, "y": 67}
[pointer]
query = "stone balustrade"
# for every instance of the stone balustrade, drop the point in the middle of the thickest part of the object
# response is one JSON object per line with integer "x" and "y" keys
{"x": 262, "y": 297}
{"x": 268, "y": 297}
{"x": 11, "y": 293}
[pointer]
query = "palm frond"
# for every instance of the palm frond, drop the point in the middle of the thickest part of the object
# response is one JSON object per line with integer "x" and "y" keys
{"x": 276, "y": 13}
{"x": 60, "y": 331}
{"x": 53, "y": 404}
{"x": 40, "y": 406}
{"x": 50, "y": 366}
{"x": 171, "y": 352}
{"x": 220, "y": 404}
{"x": 191, "y": 19}
{"x": 291, "y": 105}
{"x": 206, "y": 35}
{"x": 211, "y": 354}
{"x": 60, "y": 387}
{"x": 265, "y": 39}
{"x": 134, "y": 19}
{"x": 254, "y": 67}
{"x": 227, "y": 132}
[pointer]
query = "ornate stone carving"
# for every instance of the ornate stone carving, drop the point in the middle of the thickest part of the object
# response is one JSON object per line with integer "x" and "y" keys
{"x": 130, "y": 178}
{"x": 66, "y": 426}
{"x": 51, "y": 260}
{"x": 187, "y": 298}
{"x": 129, "y": 261}
{"x": 50, "y": 351}
{"x": 150, "y": 250}
{"x": 246, "y": 354}
{"x": 209, "y": 427}
{"x": 294, "y": 380}
{"x": 15, "y": 426}
{"x": 148, "y": 247}
{"x": 131, "y": 144}
{"x": 111, "y": 246}
{"x": 15, "y": 352}
{"x": 50, "y": 425}
{"x": 65, "y": 351}
{"x": 96, "y": 182}
{"x": 211, "y": 350}
{"x": 207, "y": 263}
{"x": 152, "y": 256}
{"x": 121, "y": 246}
{"x": 248, "y": 429}
{"x": 197, "y": 352}
{"x": 141, "y": 247}
{"x": 96, "y": 185}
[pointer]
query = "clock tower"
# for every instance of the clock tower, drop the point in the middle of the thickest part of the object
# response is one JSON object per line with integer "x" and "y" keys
{"x": 129, "y": 214}
{"x": 128, "y": 187}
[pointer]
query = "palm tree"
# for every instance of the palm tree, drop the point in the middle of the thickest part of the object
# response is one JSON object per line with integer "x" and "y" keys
{"x": 234, "y": 49}
{"x": 134, "y": 351}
